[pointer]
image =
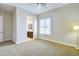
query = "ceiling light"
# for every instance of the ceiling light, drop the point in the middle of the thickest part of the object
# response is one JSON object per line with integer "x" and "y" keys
{"x": 40, "y": 5}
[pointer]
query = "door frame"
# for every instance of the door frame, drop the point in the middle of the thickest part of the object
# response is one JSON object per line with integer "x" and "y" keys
{"x": 34, "y": 18}
{"x": 1, "y": 33}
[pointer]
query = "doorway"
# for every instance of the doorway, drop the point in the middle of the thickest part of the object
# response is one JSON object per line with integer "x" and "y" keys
{"x": 29, "y": 27}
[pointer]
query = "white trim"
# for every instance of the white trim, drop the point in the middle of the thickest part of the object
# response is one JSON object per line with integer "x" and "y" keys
{"x": 59, "y": 42}
{"x": 6, "y": 39}
{"x": 14, "y": 41}
{"x": 76, "y": 48}
{"x": 21, "y": 41}
{"x": 1, "y": 40}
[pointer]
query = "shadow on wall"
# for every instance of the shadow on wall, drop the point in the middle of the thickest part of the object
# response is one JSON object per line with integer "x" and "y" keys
{"x": 70, "y": 35}
{"x": 71, "y": 38}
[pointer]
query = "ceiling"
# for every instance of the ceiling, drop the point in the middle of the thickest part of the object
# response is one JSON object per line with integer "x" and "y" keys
{"x": 31, "y": 7}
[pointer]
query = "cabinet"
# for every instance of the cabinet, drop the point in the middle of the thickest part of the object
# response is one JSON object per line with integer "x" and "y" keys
{"x": 30, "y": 34}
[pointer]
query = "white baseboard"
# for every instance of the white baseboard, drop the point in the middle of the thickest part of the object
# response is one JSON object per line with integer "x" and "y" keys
{"x": 76, "y": 48}
{"x": 7, "y": 39}
{"x": 59, "y": 42}
{"x": 4, "y": 40}
{"x": 1, "y": 40}
{"x": 20, "y": 41}
{"x": 14, "y": 41}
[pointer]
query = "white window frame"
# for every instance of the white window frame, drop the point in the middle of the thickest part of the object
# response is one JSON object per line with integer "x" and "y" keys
{"x": 44, "y": 26}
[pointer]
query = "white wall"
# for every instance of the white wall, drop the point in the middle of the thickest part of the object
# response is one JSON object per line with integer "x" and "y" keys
{"x": 63, "y": 20}
{"x": 7, "y": 25}
{"x": 21, "y": 25}
{"x": 29, "y": 21}
{"x": 20, "y": 28}
{"x": 35, "y": 27}
{"x": 14, "y": 27}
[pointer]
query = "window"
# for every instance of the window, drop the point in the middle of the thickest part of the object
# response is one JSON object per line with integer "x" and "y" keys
{"x": 45, "y": 26}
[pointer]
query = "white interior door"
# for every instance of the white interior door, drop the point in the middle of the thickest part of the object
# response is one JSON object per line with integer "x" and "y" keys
{"x": 1, "y": 28}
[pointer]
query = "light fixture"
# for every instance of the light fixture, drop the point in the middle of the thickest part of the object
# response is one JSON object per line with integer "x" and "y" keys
{"x": 76, "y": 28}
{"x": 40, "y": 5}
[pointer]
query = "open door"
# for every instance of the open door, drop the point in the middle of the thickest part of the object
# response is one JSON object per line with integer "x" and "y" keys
{"x": 1, "y": 28}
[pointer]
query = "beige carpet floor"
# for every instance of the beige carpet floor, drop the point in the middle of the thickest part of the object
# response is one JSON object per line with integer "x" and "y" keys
{"x": 36, "y": 48}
